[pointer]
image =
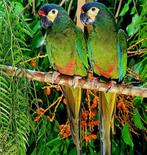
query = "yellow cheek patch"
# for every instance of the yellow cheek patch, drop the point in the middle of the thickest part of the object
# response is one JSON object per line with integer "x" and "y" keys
{"x": 52, "y": 15}
{"x": 93, "y": 13}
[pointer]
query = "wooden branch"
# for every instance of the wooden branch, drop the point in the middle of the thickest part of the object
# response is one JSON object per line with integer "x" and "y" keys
{"x": 79, "y": 5}
{"x": 69, "y": 7}
{"x": 62, "y": 2}
{"x": 118, "y": 10}
{"x": 138, "y": 52}
{"x": 134, "y": 45}
{"x": 68, "y": 81}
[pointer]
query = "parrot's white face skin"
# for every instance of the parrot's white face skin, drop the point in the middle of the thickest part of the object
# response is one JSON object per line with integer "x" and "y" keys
{"x": 89, "y": 17}
{"x": 47, "y": 19}
{"x": 52, "y": 14}
{"x": 93, "y": 12}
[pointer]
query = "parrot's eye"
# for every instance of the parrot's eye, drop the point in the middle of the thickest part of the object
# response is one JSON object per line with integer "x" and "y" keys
{"x": 93, "y": 9}
{"x": 53, "y": 11}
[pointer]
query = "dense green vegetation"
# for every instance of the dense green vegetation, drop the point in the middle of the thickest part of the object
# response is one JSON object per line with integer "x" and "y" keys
{"x": 33, "y": 117}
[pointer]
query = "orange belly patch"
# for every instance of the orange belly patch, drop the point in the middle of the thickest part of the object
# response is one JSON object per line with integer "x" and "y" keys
{"x": 68, "y": 69}
{"x": 106, "y": 73}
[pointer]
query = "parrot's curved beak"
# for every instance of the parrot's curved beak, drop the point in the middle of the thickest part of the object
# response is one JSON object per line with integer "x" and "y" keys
{"x": 85, "y": 19}
{"x": 45, "y": 22}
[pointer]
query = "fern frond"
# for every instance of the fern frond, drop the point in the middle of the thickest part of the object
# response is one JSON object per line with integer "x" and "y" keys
{"x": 14, "y": 116}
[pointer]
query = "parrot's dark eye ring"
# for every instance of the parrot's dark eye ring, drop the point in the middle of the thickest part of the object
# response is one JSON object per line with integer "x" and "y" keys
{"x": 53, "y": 11}
{"x": 93, "y": 9}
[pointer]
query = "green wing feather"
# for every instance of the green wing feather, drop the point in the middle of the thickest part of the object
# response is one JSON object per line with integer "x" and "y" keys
{"x": 80, "y": 46}
{"x": 49, "y": 53}
{"x": 90, "y": 52}
{"x": 122, "y": 42}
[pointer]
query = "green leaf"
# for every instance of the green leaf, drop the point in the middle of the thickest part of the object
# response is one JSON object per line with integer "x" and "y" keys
{"x": 137, "y": 100}
{"x": 73, "y": 151}
{"x": 92, "y": 151}
{"x": 54, "y": 141}
{"x": 141, "y": 68}
{"x": 137, "y": 120}
{"x": 38, "y": 40}
{"x": 134, "y": 26}
{"x": 127, "y": 136}
{"x": 18, "y": 7}
{"x": 36, "y": 26}
{"x": 125, "y": 8}
{"x": 115, "y": 148}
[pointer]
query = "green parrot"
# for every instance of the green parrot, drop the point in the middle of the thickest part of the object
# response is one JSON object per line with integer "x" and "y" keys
{"x": 67, "y": 54}
{"x": 107, "y": 51}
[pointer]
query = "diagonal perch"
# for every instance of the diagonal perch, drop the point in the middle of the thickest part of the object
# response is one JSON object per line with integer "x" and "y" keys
{"x": 68, "y": 80}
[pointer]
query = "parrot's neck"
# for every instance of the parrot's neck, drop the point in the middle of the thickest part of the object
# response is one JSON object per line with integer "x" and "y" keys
{"x": 103, "y": 30}
{"x": 59, "y": 26}
{"x": 105, "y": 24}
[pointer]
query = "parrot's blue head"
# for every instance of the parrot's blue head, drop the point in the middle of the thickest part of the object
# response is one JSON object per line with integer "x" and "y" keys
{"x": 93, "y": 12}
{"x": 49, "y": 14}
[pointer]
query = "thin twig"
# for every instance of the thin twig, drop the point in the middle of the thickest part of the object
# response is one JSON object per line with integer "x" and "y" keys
{"x": 138, "y": 52}
{"x": 26, "y": 7}
{"x": 135, "y": 7}
{"x": 118, "y": 10}
{"x": 68, "y": 81}
{"x": 134, "y": 45}
{"x": 78, "y": 21}
{"x": 31, "y": 59}
{"x": 62, "y": 2}
{"x": 137, "y": 76}
{"x": 33, "y": 8}
{"x": 69, "y": 7}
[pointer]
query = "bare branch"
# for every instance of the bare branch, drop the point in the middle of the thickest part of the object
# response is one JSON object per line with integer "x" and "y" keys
{"x": 33, "y": 8}
{"x": 62, "y": 2}
{"x": 79, "y": 24}
{"x": 138, "y": 52}
{"x": 118, "y": 10}
{"x": 134, "y": 45}
{"x": 68, "y": 81}
{"x": 69, "y": 7}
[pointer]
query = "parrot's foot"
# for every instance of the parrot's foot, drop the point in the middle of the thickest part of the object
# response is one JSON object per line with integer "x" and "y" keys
{"x": 76, "y": 80}
{"x": 54, "y": 76}
{"x": 94, "y": 82}
{"x": 111, "y": 83}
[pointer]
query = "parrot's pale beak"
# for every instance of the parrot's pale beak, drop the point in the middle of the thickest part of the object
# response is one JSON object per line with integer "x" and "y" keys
{"x": 85, "y": 19}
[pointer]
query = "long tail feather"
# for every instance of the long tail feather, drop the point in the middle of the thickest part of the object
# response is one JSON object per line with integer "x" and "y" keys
{"x": 73, "y": 96}
{"x": 106, "y": 110}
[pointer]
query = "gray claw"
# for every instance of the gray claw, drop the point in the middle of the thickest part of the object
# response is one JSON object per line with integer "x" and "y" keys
{"x": 55, "y": 76}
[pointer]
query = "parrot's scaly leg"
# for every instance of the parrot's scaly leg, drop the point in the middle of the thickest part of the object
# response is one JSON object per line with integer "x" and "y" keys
{"x": 76, "y": 81}
{"x": 55, "y": 76}
{"x": 94, "y": 82}
{"x": 111, "y": 83}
